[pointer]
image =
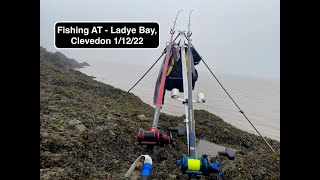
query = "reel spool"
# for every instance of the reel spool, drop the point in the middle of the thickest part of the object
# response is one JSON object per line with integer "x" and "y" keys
{"x": 198, "y": 166}
{"x": 153, "y": 137}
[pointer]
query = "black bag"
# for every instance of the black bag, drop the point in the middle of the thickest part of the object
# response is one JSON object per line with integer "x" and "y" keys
{"x": 175, "y": 80}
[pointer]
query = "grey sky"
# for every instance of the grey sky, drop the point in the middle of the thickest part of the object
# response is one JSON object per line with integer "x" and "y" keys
{"x": 233, "y": 36}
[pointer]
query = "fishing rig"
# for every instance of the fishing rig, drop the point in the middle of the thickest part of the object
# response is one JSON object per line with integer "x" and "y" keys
{"x": 178, "y": 74}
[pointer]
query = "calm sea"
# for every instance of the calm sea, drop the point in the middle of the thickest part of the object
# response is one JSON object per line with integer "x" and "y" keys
{"x": 259, "y": 98}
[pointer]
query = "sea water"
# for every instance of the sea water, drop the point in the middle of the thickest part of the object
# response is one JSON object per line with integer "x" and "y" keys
{"x": 259, "y": 98}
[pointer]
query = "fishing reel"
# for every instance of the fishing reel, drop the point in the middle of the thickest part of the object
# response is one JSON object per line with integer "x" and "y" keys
{"x": 157, "y": 137}
{"x": 153, "y": 137}
{"x": 198, "y": 166}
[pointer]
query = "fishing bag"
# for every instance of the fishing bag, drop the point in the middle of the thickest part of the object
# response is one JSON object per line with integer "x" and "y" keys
{"x": 174, "y": 75}
{"x": 174, "y": 78}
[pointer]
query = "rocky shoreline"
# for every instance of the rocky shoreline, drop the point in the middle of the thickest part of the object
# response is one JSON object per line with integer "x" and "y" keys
{"x": 78, "y": 142}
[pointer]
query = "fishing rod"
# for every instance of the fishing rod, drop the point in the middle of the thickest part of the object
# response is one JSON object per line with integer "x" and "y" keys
{"x": 163, "y": 78}
{"x": 191, "y": 164}
{"x": 154, "y": 136}
{"x": 185, "y": 88}
{"x": 192, "y": 134}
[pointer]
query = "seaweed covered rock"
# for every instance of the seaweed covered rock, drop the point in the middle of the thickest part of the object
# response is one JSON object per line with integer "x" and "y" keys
{"x": 103, "y": 146}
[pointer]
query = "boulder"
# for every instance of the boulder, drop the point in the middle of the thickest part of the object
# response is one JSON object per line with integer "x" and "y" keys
{"x": 142, "y": 117}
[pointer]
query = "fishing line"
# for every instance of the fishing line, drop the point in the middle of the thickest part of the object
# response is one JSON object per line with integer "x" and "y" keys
{"x": 238, "y": 107}
{"x": 114, "y": 104}
{"x": 236, "y": 104}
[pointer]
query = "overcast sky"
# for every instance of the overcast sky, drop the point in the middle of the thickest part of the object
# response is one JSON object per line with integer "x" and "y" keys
{"x": 233, "y": 36}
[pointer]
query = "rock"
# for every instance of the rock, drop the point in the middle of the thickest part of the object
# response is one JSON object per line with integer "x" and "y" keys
{"x": 110, "y": 117}
{"x": 81, "y": 128}
{"x": 52, "y": 119}
{"x": 108, "y": 176}
{"x": 172, "y": 176}
{"x": 135, "y": 175}
{"x": 115, "y": 161}
{"x": 112, "y": 134}
{"x": 44, "y": 134}
{"x": 142, "y": 117}
{"x": 262, "y": 171}
{"x": 84, "y": 64}
{"x": 61, "y": 128}
{"x": 226, "y": 130}
{"x": 74, "y": 122}
{"x": 117, "y": 114}
{"x": 163, "y": 163}
{"x": 60, "y": 60}
{"x": 240, "y": 152}
{"x": 60, "y": 169}
{"x": 48, "y": 175}
{"x": 247, "y": 144}
{"x": 110, "y": 124}
{"x": 101, "y": 128}
{"x": 54, "y": 173}
{"x": 63, "y": 101}
{"x": 52, "y": 108}
{"x": 260, "y": 150}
